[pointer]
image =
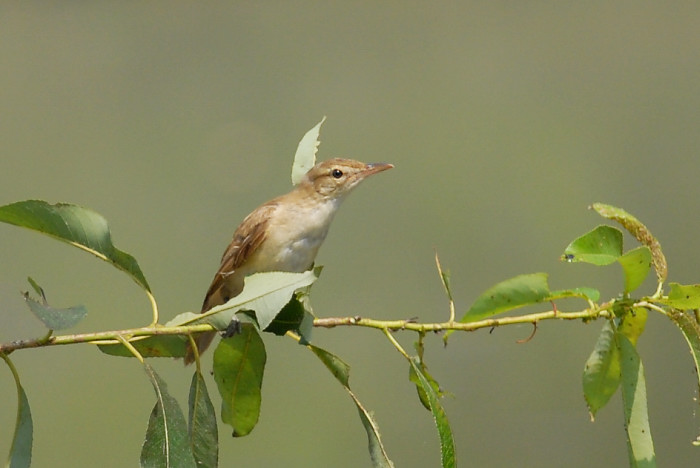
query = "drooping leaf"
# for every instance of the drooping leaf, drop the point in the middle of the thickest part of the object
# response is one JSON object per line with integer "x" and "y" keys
{"x": 305, "y": 157}
{"x": 54, "y": 318}
{"x": 601, "y": 374}
{"x": 153, "y": 346}
{"x": 690, "y": 328}
{"x": 634, "y": 399}
{"x": 447, "y": 447}
{"x": 265, "y": 293}
{"x": 166, "y": 443}
{"x": 412, "y": 377}
{"x": 684, "y": 297}
{"x": 636, "y": 264}
{"x": 640, "y": 232}
{"x": 78, "y": 226}
{"x": 239, "y": 364}
{"x": 509, "y": 294}
{"x": 341, "y": 371}
{"x": 20, "y": 455}
{"x": 601, "y": 246}
{"x": 203, "y": 429}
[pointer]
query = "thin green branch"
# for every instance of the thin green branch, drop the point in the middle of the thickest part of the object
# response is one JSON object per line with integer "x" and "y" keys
{"x": 106, "y": 337}
{"x": 470, "y": 326}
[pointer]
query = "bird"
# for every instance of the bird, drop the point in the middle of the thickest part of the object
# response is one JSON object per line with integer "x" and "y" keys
{"x": 285, "y": 233}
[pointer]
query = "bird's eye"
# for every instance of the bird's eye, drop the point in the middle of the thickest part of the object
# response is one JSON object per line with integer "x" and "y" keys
{"x": 337, "y": 173}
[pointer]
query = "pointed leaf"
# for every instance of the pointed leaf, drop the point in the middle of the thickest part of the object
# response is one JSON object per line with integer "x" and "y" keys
{"x": 636, "y": 264}
{"x": 601, "y": 375}
{"x": 509, "y": 294}
{"x": 684, "y": 297}
{"x": 54, "y": 318}
{"x": 634, "y": 398}
{"x": 640, "y": 232}
{"x": 601, "y": 246}
{"x": 338, "y": 367}
{"x": 20, "y": 455}
{"x": 447, "y": 447}
{"x": 239, "y": 364}
{"x": 78, "y": 226}
{"x": 166, "y": 443}
{"x": 341, "y": 371}
{"x": 203, "y": 429}
{"x": 305, "y": 157}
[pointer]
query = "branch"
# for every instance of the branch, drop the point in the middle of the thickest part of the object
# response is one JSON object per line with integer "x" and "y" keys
{"x": 410, "y": 324}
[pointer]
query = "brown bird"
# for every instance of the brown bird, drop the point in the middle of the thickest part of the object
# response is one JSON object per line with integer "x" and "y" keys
{"x": 285, "y": 233}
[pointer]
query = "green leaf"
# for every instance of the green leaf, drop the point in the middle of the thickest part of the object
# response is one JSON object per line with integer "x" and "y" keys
{"x": 78, "y": 226}
{"x": 239, "y": 364}
{"x": 447, "y": 447}
{"x": 265, "y": 293}
{"x": 305, "y": 157}
{"x": 601, "y": 246}
{"x": 444, "y": 277}
{"x": 341, "y": 371}
{"x": 684, "y": 297}
{"x": 412, "y": 377}
{"x": 509, "y": 294}
{"x": 689, "y": 326}
{"x": 601, "y": 375}
{"x": 166, "y": 443}
{"x": 634, "y": 398}
{"x": 640, "y": 232}
{"x": 20, "y": 455}
{"x": 152, "y": 346}
{"x": 53, "y": 318}
{"x": 636, "y": 264}
{"x": 289, "y": 318}
{"x": 203, "y": 430}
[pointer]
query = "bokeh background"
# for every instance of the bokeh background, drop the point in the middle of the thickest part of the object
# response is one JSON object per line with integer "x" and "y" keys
{"x": 505, "y": 120}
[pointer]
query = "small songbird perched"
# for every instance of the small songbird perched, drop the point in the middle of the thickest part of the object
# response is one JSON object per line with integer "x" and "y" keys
{"x": 285, "y": 233}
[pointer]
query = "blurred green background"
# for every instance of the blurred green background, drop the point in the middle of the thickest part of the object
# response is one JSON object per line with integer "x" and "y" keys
{"x": 505, "y": 120}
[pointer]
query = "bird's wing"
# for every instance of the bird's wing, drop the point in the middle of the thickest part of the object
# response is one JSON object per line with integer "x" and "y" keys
{"x": 246, "y": 240}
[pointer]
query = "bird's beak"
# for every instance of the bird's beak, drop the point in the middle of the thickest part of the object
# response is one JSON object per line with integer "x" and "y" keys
{"x": 373, "y": 168}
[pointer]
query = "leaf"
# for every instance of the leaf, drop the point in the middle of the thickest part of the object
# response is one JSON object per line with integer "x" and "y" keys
{"x": 601, "y": 246}
{"x": 341, "y": 371}
{"x": 684, "y": 297}
{"x": 166, "y": 443}
{"x": 265, "y": 293}
{"x": 640, "y": 232}
{"x": 53, "y": 318}
{"x": 444, "y": 277}
{"x": 634, "y": 398}
{"x": 203, "y": 429}
{"x": 601, "y": 375}
{"x": 447, "y": 447}
{"x": 690, "y": 328}
{"x": 289, "y": 318}
{"x": 636, "y": 264}
{"x": 152, "y": 346}
{"x": 78, "y": 226}
{"x": 412, "y": 377}
{"x": 20, "y": 455}
{"x": 239, "y": 364}
{"x": 305, "y": 157}
{"x": 509, "y": 294}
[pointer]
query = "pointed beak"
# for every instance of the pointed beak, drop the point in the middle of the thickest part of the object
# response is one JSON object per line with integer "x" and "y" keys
{"x": 373, "y": 168}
